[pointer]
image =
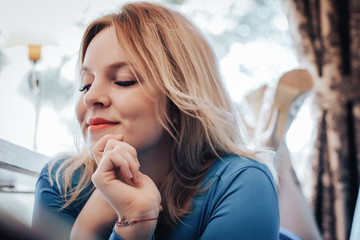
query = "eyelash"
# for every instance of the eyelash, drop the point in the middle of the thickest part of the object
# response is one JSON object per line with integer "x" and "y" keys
{"x": 119, "y": 83}
{"x": 126, "y": 83}
{"x": 86, "y": 87}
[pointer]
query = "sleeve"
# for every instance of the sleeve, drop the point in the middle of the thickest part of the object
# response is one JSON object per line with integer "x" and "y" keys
{"x": 355, "y": 228}
{"x": 48, "y": 217}
{"x": 245, "y": 207}
{"x": 114, "y": 236}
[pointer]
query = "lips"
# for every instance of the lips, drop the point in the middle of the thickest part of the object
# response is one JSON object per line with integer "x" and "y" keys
{"x": 100, "y": 123}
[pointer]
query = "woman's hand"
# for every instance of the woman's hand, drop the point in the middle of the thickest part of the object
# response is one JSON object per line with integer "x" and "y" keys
{"x": 132, "y": 195}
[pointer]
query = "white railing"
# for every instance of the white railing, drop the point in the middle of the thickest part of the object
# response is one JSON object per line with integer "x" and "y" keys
{"x": 19, "y": 159}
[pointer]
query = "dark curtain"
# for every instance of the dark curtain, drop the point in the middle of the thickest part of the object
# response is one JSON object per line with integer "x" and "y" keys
{"x": 326, "y": 35}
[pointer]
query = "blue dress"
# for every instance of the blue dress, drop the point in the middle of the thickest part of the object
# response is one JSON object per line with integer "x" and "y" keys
{"x": 241, "y": 203}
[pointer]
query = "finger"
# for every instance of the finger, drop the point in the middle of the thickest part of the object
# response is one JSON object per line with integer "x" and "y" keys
{"x": 134, "y": 168}
{"x": 133, "y": 152}
{"x": 98, "y": 149}
{"x": 121, "y": 163}
{"x": 109, "y": 170}
{"x": 111, "y": 144}
{"x": 138, "y": 162}
{"x": 115, "y": 161}
{"x": 133, "y": 165}
{"x": 121, "y": 152}
{"x": 128, "y": 152}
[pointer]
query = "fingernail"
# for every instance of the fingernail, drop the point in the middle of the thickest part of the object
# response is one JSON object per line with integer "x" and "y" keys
{"x": 136, "y": 178}
{"x": 130, "y": 174}
{"x": 138, "y": 162}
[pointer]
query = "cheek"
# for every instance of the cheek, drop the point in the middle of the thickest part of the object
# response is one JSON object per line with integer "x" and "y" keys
{"x": 151, "y": 122}
{"x": 80, "y": 110}
{"x": 144, "y": 126}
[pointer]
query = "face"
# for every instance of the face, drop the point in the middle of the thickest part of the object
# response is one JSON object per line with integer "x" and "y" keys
{"x": 112, "y": 100}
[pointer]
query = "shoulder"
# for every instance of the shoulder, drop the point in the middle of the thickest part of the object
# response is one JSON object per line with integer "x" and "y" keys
{"x": 54, "y": 172}
{"x": 231, "y": 166}
{"x": 48, "y": 178}
{"x": 239, "y": 198}
{"x": 51, "y": 168}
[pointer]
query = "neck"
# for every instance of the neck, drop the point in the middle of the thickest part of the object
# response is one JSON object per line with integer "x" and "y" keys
{"x": 155, "y": 160}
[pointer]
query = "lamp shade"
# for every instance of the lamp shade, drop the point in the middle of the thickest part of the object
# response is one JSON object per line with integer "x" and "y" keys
{"x": 34, "y": 42}
{"x": 25, "y": 37}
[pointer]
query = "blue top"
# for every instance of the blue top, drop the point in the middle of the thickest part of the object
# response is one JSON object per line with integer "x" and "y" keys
{"x": 355, "y": 229}
{"x": 241, "y": 202}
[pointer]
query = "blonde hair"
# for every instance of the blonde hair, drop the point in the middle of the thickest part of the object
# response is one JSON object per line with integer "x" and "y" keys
{"x": 171, "y": 56}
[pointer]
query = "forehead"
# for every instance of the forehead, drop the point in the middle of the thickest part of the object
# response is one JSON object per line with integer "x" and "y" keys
{"x": 103, "y": 50}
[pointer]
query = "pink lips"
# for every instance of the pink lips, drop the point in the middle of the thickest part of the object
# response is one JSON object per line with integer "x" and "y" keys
{"x": 100, "y": 123}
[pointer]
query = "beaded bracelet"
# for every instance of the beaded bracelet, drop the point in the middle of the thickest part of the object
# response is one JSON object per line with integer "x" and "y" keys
{"x": 125, "y": 223}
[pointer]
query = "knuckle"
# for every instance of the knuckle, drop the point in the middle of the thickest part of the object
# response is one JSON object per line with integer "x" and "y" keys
{"x": 132, "y": 151}
{"x": 112, "y": 141}
{"x": 93, "y": 148}
{"x": 95, "y": 178}
{"x": 118, "y": 148}
{"x": 107, "y": 155}
{"x": 107, "y": 136}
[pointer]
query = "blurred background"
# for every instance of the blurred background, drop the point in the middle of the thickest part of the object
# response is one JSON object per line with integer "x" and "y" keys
{"x": 250, "y": 37}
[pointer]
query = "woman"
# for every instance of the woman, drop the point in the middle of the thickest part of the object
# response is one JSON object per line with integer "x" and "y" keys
{"x": 165, "y": 156}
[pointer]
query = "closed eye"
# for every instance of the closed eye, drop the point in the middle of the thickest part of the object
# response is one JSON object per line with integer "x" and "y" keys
{"x": 126, "y": 83}
{"x": 85, "y": 88}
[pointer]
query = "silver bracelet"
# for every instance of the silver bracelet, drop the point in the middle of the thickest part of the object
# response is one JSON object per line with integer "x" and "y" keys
{"x": 125, "y": 223}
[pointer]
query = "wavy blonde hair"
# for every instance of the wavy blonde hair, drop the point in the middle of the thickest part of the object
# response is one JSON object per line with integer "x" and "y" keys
{"x": 171, "y": 56}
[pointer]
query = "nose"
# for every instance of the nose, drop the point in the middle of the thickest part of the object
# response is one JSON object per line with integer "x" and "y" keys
{"x": 97, "y": 95}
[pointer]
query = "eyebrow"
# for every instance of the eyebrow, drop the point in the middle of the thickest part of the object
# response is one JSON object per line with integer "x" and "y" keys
{"x": 114, "y": 66}
{"x": 118, "y": 65}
